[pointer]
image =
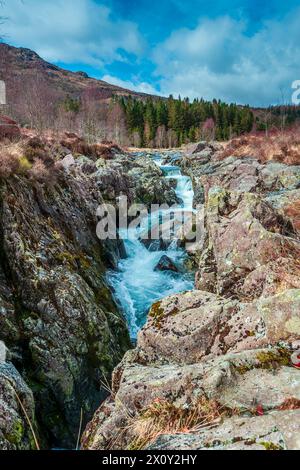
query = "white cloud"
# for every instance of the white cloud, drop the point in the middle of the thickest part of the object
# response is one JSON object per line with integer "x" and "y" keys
{"x": 219, "y": 59}
{"x": 70, "y": 31}
{"x": 142, "y": 87}
{"x": 216, "y": 59}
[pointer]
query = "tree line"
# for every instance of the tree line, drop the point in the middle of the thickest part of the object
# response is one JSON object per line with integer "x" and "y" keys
{"x": 173, "y": 122}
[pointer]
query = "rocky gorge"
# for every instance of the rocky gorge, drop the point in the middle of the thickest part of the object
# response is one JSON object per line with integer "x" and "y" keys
{"x": 213, "y": 367}
{"x": 216, "y": 367}
{"x": 61, "y": 330}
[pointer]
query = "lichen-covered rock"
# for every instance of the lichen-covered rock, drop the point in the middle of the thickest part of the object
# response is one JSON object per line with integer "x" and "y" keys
{"x": 287, "y": 204}
{"x": 187, "y": 327}
{"x": 15, "y": 431}
{"x": 236, "y": 174}
{"x": 239, "y": 383}
{"x": 57, "y": 314}
{"x": 244, "y": 234}
{"x": 276, "y": 431}
{"x": 137, "y": 177}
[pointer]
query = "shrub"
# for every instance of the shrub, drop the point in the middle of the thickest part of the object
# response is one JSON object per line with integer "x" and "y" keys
{"x": 39, "y": 172}
{"x": 9, "y": 164}
{"x": 36, "y": 149}
{"x": 283, "y": 147}
{"x": 31, "y": 158}
{"x": 79, "y": 146}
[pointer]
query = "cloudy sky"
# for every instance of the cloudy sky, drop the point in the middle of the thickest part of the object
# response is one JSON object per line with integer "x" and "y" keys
{"x": 245, "y": 51}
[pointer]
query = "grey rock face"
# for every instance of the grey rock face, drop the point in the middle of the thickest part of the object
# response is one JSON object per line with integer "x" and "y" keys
{"x": 57, "y": 315}
{"x": 15, "y": 431}
{"x": 278, "y": 431}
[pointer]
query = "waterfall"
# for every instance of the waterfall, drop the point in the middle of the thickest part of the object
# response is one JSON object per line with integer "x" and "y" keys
{"x": 136, "y": 284}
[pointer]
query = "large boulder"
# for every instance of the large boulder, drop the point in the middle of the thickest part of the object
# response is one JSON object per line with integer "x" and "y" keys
{"x": 148, "y": 398}
{"x": 188, "y": 327}
{"x": 245, "y": 234}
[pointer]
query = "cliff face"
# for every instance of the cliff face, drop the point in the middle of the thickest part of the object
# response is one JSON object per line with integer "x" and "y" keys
{"x": 59, "y": 324}
{"x": 214, "y": 368}
{"x": 58, "y": 318}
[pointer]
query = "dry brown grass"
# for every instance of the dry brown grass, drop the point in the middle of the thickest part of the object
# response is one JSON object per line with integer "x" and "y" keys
{"x": 290, "y": 404}
{"x": 163, "y": 417}
{"x": 281, "y": 147}
{"x": 31, "y": 158}
{"x": 9, "y": 159}
{"x": 293, "y": 212}
{"x": 79, "y": 146}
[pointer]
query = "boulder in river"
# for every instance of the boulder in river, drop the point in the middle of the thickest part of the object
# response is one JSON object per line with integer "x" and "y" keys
{"x": 166, "y": 264}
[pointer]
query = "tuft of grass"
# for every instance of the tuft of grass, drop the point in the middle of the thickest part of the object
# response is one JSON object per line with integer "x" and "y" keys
{"x": 163, "y": 417}
{"x": 80, "y": 429}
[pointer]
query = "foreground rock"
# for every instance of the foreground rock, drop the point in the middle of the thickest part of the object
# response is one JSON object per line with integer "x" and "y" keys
{"x": 16, "y": 399}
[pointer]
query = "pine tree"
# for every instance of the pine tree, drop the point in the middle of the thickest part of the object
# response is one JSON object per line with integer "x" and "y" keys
{"x": 165, "y": 122}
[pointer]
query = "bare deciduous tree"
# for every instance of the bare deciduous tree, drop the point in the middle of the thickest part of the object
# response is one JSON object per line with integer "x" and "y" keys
{"x": 34, "y": 103}
{"x": 116, "y": 123}
{"x": 90, "y": 118}
{"x": 161, "y": 137}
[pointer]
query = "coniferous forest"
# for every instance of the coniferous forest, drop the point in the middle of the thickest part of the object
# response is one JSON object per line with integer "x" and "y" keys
{"x": 173, "y": 122}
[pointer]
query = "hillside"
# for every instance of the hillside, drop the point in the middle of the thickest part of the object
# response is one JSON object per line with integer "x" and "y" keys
{"x": 26, "y": 65}
{"x": 43, "y": 96}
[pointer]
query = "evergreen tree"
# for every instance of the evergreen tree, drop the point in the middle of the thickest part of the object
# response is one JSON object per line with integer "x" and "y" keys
{"x": 181, "y": 121}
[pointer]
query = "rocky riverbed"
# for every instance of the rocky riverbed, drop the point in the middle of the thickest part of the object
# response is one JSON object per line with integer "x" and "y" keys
{"x": 213, "y": 366}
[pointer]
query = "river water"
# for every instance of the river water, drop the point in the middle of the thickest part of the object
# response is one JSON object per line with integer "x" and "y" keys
{"x": 136, "y": 283}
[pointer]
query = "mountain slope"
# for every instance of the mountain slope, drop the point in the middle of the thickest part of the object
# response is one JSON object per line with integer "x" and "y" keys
{"x": 16, "y": 63}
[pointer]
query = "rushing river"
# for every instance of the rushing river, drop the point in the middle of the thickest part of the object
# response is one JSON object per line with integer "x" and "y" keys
{"x": 136, "y": 284}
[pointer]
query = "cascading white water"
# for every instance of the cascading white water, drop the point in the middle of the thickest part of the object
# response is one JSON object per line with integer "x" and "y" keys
{"x": 136, "y": 284}
{"x": 184, "y": 188}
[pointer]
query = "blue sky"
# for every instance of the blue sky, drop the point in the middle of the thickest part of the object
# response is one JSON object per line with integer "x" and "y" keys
{"x": 246, "y": 51}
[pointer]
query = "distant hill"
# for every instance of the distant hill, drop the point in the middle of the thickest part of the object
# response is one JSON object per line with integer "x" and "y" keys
{"x": 26, "y": 64}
